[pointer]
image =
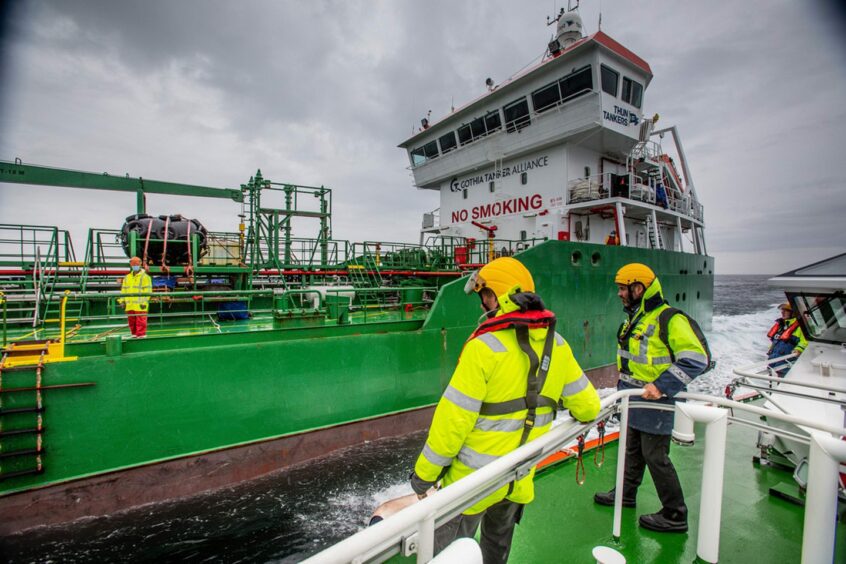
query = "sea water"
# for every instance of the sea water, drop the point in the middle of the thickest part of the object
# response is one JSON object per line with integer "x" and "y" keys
{"x": 295, "y": 513}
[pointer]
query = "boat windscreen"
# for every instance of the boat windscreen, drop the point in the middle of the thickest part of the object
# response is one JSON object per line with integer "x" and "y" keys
{"x": 823, "y": 316}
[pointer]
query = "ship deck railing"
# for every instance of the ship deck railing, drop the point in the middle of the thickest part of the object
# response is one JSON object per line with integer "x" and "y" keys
{"x": 599, "y": 189}
{"x": 277, "y": 309}
{"x": 412, "y": 530}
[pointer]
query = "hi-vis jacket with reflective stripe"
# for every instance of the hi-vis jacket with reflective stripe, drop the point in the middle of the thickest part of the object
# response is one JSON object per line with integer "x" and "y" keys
{"x": 493, "y": 368}
{"x": 643, "y": 358}
{"x": 133, "y": 284}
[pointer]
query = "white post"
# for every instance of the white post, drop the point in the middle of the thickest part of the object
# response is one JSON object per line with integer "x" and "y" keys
{"x": 621, "y": 467}
{"x": 711, "y": 502}
{"x": 621, "y": 224}
{"x": 426, "y": 539}
{"x": 818, "y": 536}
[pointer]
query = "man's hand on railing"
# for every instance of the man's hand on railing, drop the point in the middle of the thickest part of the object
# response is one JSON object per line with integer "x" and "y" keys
{"x": 651, "y": 392}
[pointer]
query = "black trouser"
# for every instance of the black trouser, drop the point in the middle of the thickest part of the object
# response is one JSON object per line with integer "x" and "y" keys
{"x": 498, "y": 522}
{"x": 653, "y": 451}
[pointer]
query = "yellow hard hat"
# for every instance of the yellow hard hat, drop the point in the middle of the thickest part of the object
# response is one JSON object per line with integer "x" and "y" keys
{"x": 787, "y": 306}
{"x": 504, "y": 276}
{"x": 635, "y": 272}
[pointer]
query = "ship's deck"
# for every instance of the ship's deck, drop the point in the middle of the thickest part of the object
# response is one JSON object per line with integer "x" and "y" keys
{"x": 208, "y": 325}
{"x": 564, "y": 525}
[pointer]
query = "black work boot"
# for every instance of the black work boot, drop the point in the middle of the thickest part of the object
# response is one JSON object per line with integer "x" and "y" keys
{"x": 607, "y": 498}
{"x": 657, "y": 522}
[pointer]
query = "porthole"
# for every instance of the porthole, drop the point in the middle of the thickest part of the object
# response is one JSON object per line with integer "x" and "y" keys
{"x": 576, "y": 258}
{"x": 595, "y": 258}
{"x": 677, "y": 297}
{"x": 705, "y": 264}
{"x": 697, "y": 294}
{"x": 684, "y": 296}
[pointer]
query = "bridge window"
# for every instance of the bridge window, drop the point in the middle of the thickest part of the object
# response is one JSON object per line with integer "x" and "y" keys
{"x": 493, "y": 122}
{"x": 477, "y": 127}
{"x": 578, "y": 83}
{"x": 464, "y": 134}
{"x": 632, "y": 92}
{"x": 546, "y": 97}
{"x": 447, "y": 142}
{"x": 610, "y": 80}
{"x": 422, "y": 154}
{"x": 517, "y": 115}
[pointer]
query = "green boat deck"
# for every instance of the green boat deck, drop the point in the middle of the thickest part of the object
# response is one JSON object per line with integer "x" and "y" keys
{"x": 564, "y": 525}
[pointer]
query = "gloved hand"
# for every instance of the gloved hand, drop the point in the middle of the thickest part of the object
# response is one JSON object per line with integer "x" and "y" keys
{"x": 419, "y": 485}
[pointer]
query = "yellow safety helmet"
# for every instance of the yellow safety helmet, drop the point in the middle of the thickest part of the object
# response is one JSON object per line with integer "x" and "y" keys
{"x": 504, "y": 276}
{"x": 786, "y": 306}
{"x": 635, "y": 272}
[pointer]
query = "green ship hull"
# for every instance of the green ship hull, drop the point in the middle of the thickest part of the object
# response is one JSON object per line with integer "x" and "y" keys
{"x": 203, "y": 406}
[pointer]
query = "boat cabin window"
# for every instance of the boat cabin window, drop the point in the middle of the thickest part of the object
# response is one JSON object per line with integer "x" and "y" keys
{"x": 517, "y": 115}
{"x": 576, "y": 84}
{"x": 546, "y": 97}
{"x": 610, "y": 80}
{"x": 477, "y": 127}
{"x": 422, "y": 154}
{"x": 823, "y": 316}
{"x": 493, "y": 122}
{"x": 464, "y": 134}
{"x": 417, "y": 157}
{"x": 632, "y": 92}
{"x": 447, "y": 142}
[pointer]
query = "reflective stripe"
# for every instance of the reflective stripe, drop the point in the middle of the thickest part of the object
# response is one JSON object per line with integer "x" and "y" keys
{"x": 680, "y": 374}
{"x": 643, "y": 359}
{"x": 473, "y": 459}
{"x": 493, "y": 343}
{"x": 559, "y": 340}
{"x": 511, "y": 425}
{"x": 575, "y": 387}
{"x": 650, "y": 330}
{"x": 693, "y": 355}
{"x": 629, "y": 380}
{"x": 462, "y": 400}
{"x": 434, "y": 457}
{"x": 644, "y": 343}
{"x": 505, "y": 425}
{"x": 544, "y": 419}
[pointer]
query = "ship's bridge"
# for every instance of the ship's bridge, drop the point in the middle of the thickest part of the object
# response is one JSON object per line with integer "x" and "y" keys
{"x": 589, "y": 94}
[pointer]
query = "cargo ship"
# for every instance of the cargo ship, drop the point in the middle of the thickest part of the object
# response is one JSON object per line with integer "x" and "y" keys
{"x": 266, "y": 348}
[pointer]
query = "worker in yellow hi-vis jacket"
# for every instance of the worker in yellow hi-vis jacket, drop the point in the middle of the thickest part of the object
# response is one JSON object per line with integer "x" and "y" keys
{"x": 504, "y": 392}
{"x": 134, "y": 286}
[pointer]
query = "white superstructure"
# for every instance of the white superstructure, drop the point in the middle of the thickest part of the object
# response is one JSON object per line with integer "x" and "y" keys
{"x": 561, "y": 151}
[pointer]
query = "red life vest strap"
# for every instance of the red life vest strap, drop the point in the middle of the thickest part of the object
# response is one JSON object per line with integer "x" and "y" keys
{"x": 533, "y": 319}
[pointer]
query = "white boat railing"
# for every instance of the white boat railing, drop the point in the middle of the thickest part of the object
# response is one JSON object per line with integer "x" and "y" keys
{"x": 412, "y": 530}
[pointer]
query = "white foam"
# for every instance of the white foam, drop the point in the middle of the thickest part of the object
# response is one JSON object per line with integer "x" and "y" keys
{"x": 735, "y": 340}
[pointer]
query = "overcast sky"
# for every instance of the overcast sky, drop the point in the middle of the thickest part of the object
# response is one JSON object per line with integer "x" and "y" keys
{"x": 206, "y": 92}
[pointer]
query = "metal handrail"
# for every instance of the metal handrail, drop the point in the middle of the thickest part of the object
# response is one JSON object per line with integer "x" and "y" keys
{"x": 416, "y": 524}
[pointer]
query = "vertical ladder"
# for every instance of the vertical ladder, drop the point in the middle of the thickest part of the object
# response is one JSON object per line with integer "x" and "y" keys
{"x": 653, "y": 231}
{"x": 21, "y": 413}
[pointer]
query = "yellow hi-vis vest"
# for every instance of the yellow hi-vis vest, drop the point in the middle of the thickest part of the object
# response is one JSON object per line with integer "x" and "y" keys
{"x": 494, "y": 369}
{"x": 136, "y": 284}
{"x": 643, "y": 356}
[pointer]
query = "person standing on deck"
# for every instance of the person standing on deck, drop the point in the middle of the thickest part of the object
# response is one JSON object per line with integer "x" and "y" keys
{"x": 136, "y": 306}
{"x": 504, "y": 392}
{"x": 786, "y": 337}
{"x": 662, "y": 362}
